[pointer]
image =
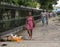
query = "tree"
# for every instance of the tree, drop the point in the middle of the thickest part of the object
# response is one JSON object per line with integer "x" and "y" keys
{"x": 47, "y": 4}
{"x": 30, "y": 3}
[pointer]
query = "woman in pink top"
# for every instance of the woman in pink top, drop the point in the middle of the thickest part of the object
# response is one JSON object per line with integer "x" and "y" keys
{"x": 30, "y": 24}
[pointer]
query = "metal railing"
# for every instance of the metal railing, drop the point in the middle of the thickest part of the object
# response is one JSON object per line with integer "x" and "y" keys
{"x": 13, "y": 23}
{"x": 16, "y": 26}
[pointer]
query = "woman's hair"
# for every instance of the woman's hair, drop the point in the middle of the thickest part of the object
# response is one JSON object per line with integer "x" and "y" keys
{"x": 29, "y": 13}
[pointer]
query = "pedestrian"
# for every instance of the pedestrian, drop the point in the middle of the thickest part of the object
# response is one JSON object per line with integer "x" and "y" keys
{"x": 51, "y": 14}
{"x": 54, "y": 14}
{"x": 47, "y": 16}
{"x": 30, "y": 24}
{"x": 43, "y": 17}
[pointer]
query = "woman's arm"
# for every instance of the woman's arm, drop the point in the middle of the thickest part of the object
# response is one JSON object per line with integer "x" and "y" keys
{"x": 33, "y": 23}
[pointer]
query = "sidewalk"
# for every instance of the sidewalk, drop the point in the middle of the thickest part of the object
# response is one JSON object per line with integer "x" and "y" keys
{"x": 45, "y": 33}
{"x": 43, "y": 36}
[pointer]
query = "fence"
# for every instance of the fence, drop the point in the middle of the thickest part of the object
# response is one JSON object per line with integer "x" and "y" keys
{"x": 12, "y": 18}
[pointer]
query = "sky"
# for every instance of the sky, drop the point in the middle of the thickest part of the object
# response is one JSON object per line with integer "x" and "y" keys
{"x": 58, "y": 3}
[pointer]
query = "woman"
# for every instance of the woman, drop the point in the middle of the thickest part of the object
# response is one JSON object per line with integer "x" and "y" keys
{"x": 30, "y": 24}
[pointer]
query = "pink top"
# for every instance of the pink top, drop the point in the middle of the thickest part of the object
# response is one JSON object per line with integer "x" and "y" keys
{"x": 29, "y": 23}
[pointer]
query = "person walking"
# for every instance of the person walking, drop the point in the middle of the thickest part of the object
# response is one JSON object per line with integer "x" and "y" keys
{"x": 43, "y": 17}
{"x": 51, "y": 14}
{"x": 47, "y": 16}
{"x": 30, "y": 25}
{"x": 54, "y": 14}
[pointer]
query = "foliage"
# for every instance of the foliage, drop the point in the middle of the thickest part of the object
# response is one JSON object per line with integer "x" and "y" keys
{"x": 30, "y": 3}
{"x": 47, "y": 4}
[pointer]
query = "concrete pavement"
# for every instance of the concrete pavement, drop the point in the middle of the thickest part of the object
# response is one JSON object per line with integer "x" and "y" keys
{"x": 43, "y": 36}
